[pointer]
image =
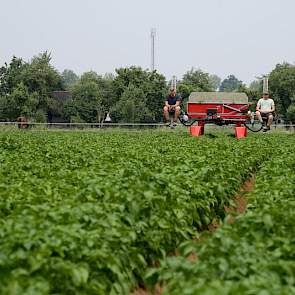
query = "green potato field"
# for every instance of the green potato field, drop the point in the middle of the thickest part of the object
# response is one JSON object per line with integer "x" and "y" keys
{"x": 105, "y": 212}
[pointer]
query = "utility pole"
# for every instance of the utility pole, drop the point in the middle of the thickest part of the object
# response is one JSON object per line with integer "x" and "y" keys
{"x": 265, "y": 84}
{"x": 153, "y": 35}
{"x": 174, "y": 82}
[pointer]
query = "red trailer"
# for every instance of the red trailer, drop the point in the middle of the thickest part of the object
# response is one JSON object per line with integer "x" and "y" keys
{"x": 220, "y": 108}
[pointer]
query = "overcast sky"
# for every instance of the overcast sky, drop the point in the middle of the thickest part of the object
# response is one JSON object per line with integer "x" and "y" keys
{"x": 246, "y": 38}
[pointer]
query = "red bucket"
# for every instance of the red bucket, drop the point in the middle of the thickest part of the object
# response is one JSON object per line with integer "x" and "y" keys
{"x": 196, "y": 130}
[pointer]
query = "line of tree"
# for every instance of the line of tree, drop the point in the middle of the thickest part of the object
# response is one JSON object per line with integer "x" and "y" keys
{"x": 132, "y": 94}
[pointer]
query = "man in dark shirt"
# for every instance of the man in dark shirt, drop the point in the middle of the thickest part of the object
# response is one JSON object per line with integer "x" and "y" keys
{"x": 172, "y": 105}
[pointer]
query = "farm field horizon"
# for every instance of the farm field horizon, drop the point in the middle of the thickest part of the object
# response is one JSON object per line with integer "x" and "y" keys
{"x": 101, "y": 212}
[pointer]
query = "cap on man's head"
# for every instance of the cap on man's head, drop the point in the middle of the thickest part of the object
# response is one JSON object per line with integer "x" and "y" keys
{"x": 172, "y": 89}
{"x": 265, "y": 93}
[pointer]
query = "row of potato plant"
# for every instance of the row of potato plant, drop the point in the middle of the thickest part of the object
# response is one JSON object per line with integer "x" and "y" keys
{"x": 256, "y": 254}
{"x": 89, "y": 212}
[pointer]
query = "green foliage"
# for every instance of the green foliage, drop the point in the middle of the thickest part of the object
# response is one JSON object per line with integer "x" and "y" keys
{"x": 87, "y": 213}
{"x": 253, "y": 95}
{"x": 13, "y": 92}
{"x": 230, "y": 84}
{"x": 11, "y": 75}
{"x": 198, "y": 79}
{"x": 69, "y": 78}
{"x": 87, "y": 101}
{"x": 27, "y": 87}
{"x": 185, "y": 90}
{"x": 255, "y": 255}
{"x": 153, "y": 86}
{"x": 282, "y": 86}
{"x": 254, "y": 91}
{"x": 18, "y": 102}
{"x": 132, "y": 106}
{"x": 39, "y": 116}
{"x": 195, "y": 80}
{"x": 257, "y": 85}
{"x": 290, "y": 115}
{"x": 40, "y": 75}
{"x": 215, "y": 82}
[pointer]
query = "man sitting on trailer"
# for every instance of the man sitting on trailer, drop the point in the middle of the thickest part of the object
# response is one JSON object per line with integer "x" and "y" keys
{"x": 264, "y": 110}
{"x": 172, "y": 106}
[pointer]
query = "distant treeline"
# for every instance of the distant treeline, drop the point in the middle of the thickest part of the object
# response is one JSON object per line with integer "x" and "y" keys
{"x": 38, "y": 91}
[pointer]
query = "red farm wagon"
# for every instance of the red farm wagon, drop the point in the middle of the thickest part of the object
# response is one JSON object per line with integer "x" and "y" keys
{"x": 220, "y": 108}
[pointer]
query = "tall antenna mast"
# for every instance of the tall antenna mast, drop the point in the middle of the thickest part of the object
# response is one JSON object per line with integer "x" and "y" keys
{"x": 153, "y": 35}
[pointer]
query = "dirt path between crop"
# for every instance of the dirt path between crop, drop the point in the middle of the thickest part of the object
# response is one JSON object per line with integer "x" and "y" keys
{"x": 240, "y": 199}
{"x": 239, "y": 208}
{"x": 158, "y": 291}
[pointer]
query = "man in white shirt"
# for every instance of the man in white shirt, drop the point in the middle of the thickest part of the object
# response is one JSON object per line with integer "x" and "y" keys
{"x": 265, "y": 108}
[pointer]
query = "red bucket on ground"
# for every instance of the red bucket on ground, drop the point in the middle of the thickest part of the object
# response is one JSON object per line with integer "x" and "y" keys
{"x": 196, "y": 130}
{"x": 240, "y": 132}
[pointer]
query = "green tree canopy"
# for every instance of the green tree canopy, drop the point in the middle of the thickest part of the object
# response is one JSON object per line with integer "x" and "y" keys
{"x": 215, "y": 82}
{"x": 254, "y": 91}
{"x": 11, "y": 75}
{"x": 69, "y": 78}
{"x": 290, "y": 114}
{"x": 132, "y": 106}
{"x": 152, "y": 84}
{"x": 26, "y": 87}
{"x": 230, "y": 84}
{"x": 92, "y": 96}
{"x": 41, "y": 76}
{"x": 282, "y": 87}
{"x": 86, "y": 99}
{"x": 197, "y": 79}
{"x": 256, "y": 85}
{"x": 194, "y": 80}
